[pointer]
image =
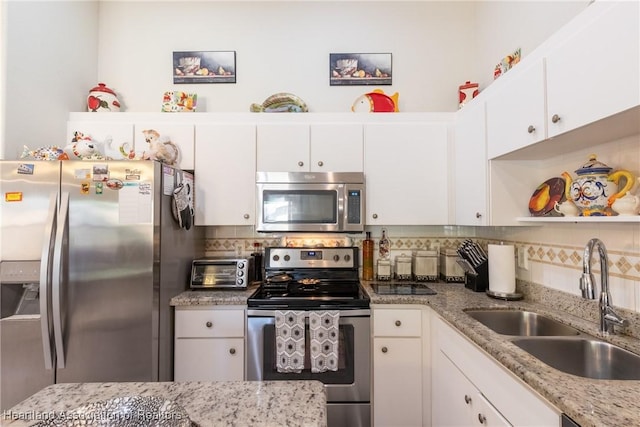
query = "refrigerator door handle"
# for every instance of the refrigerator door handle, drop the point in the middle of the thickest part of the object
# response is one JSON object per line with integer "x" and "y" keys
{"x": 45, "y": 281}
{"x": 58, "y": 283}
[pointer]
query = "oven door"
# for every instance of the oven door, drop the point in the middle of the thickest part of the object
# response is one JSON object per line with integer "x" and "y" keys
{"x": 350, "y": 383}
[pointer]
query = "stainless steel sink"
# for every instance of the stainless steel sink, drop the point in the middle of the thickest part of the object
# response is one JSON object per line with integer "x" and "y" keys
{"x": 521, "y": 323}
{"x": 584, "y": 357}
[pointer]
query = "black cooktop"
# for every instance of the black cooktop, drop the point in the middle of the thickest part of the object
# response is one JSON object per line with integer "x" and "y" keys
{"x": 400, "y": 288}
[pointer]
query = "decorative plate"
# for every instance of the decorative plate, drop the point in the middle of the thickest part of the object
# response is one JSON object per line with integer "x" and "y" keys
{"x": 126, "y": 411}
{"x": 545, "y": 196}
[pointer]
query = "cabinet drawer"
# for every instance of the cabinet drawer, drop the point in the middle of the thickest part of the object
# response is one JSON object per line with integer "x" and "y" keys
{"x": 397, "y": 323}
{"x": 209, "y": 323}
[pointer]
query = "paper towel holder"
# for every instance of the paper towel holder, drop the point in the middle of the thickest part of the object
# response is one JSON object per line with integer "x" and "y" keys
{"x": 507, "y": 296}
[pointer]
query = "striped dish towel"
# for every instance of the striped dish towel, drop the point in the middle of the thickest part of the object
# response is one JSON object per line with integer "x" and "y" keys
{"x": 324, "y": 329}
{"x": 290, "y": 341}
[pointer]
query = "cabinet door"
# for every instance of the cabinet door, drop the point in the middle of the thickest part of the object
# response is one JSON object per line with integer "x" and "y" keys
{"x": 515, "y": 112}
{"x": 336, "y": 147}
{"x": 594, "y": 74}
{"x": 209, "y": 359}
{"x": 152, "y": 136}
{"x": 283, "y": 148}
{"x": 406, "y": 173}
{"x": 471, "y": 174}
{"x": 225, "y": 171}
{"x": 397, "y": 383}
{"x": 452, "y": 394}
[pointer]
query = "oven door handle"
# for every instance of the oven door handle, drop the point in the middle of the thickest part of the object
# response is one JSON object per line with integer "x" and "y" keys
{"x": 343, "y": 313}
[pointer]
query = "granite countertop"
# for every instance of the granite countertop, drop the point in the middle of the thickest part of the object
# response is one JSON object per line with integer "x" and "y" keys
{"x": 254, "y": 403}
{"x": 589, "y": 402}
{"x": 214, "y": 297}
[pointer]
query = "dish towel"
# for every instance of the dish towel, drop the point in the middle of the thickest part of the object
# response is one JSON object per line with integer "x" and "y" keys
{"x": 324, "y": 329}
{"x": 290, "y": 341}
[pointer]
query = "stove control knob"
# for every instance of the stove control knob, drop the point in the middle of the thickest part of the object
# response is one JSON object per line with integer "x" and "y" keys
{"x": 336, "y": 258}
{"x": 347, "y": 257}
{"x": 240, "y": 265}
{"x": 240, "y": 273}
{"x": 240, "y": 281}
{"x": 287, "y": 258}
{"x": 276, "y": 257}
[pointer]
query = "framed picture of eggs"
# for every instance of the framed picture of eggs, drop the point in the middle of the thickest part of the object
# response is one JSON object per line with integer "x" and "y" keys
{"x": 204, "y": 67}
{"x": 359, "y": 69}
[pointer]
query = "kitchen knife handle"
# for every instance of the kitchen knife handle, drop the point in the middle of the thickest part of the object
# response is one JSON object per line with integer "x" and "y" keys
{"x": 45, "y": 281}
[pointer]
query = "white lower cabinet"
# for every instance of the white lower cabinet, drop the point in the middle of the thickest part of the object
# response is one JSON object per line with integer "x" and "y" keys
{"x": 400, "y": 366}
{"x": 209, "y": 343}
{"x": 469, "y": 388}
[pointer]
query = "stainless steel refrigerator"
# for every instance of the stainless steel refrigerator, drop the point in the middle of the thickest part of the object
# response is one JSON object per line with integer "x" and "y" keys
{"x": 90, "y": 255}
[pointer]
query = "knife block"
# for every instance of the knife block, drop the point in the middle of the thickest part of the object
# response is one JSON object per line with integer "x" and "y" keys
{"x": 478, "y": 282}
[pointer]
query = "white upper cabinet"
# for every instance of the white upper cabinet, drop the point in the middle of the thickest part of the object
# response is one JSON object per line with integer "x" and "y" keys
{"x": 595, "y": 73}
{"x": 301, "y": 147}
{"x": 406, "y": 171}
{"x": 471, "y": 175}
{"x": 225, "y": 174}
{"x": 283, "y": 147}
{"x": 336, "y": 147}
{"x": 516, "y": 112}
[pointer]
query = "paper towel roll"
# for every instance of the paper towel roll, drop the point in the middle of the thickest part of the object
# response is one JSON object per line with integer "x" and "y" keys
{"x": 502, "y": 269}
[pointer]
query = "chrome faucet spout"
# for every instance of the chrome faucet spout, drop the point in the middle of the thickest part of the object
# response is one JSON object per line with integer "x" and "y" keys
{"x": 608, "y": 317}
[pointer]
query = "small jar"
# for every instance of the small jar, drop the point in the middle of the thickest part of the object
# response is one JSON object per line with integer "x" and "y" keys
{"x": 102, "y": 99}
{"x": 384, "y": 269}
{"x": 425, "y": 266}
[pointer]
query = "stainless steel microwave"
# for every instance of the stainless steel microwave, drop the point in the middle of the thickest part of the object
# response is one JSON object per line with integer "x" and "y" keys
{"x": 310, "y": 201}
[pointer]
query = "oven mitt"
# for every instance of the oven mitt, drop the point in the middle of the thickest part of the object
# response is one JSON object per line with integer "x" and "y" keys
{"x": 183, "y": 210}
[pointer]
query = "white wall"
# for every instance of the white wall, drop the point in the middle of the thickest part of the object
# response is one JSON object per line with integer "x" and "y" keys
{"x": 285, "y": 47}
{"x": 504, "y": 26}
{"x": 51, "y": 63}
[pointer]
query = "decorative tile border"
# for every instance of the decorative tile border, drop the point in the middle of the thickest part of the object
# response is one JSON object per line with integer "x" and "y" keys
{"x": 621, "y": 264}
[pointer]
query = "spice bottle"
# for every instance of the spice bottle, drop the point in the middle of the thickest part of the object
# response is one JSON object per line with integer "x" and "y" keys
{"x": 384, "y": 246}
{"x": 367, "y": 257}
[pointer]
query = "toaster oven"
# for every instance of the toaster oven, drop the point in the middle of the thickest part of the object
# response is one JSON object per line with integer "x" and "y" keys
{"x": 221, "y": 273}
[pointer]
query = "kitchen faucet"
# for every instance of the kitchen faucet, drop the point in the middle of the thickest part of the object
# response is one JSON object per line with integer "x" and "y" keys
{"x": 608, "y": 318}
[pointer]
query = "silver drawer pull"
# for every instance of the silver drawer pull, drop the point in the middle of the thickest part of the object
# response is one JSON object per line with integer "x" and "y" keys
{"x": 531, "y": 129}
{"x": 300, "y": 163}
{"x": 232, "y": 351}
{"x": 209, "y": 324}
{"x": 467, "y": 399}
{"x": 398, "y": 323}
{"x": 482, "y": 418}
{"x": 555, "y": 118}
{"x": 384, "y": 349}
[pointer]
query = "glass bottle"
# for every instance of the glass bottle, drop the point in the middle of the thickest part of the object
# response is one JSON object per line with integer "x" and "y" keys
{"x": 367, "y": 257}
{"x": 384, "y": 246}
{"x": 257, "y": 261}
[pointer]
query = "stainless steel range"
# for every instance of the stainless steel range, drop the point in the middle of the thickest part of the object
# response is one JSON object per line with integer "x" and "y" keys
{"x": 320, "y": 280}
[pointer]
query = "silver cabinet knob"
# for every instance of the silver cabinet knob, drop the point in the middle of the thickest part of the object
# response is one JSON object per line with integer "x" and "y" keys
{"x": 375, "y": 216}
{"x": 482, "y": 418}
{"x": 209, "y": 324}
{"x": 320, "y": 163}
{"x": 467, "y": 399}
{"x": 300, "y": 163}
{"x": 232, "y": 351}
{"x": 555, "y": 118}
{"x": 385, "y": 349}
{"x": 398, "y": 323}
{"x": 531, "y": 129}
{"x": 478, "y": 215}
{"x": 246, "y": 216}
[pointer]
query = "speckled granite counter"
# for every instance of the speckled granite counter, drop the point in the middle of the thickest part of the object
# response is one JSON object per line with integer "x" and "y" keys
{"x": 589, "y": 402}
{"x": 213, "y": 297}
{"x": 237, "y": 403}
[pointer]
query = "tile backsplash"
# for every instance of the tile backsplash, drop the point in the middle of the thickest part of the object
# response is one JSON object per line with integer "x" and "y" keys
{"x": 554, "y": 252}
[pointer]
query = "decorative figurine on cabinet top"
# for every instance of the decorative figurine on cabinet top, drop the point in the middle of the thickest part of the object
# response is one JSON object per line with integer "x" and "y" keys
{"x": 592, "y": 192}
{"x": 467, "y": 92}
{"x": 376, "y": 102}
{"x": 102, "y": 99}
{"x": 281, "y": 103}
